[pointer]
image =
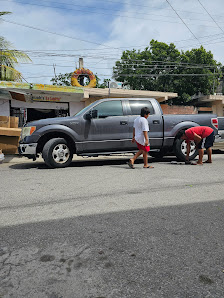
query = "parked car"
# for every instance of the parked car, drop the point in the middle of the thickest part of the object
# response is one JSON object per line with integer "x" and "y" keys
{"x": 219, "y": 143}
{"x": 104, "y": 128}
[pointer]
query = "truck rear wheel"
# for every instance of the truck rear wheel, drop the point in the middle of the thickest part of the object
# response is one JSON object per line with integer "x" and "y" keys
{"x": 180, "y": 149}
{"x": 57, "y": 153}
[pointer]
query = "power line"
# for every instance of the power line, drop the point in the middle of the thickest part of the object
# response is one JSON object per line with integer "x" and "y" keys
{"x": 47, "y": 31}
{"x": 143, "y": 67}
{"x": 205, "y": 43}
{"x": 109, "y": 49}
{"x": 140, "y": 5}
{"x": 168, "y": 74}
{"x": 147, "y": 63}
{"x": 95, "y": 7}
{"x": 211, "y": 17}
{"x": 91, "y": 11}
{"x": 96, "y": 12}
{"x": 183, "y": 22}
{"x": 145, "y": 75}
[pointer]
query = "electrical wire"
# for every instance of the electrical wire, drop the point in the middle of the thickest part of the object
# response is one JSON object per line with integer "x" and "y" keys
{"x": 145, "y": 75}
{"x": 54, "y": 33}
{"x": 211, "y": 17}
{"x": 103, "y": 13}
{"x": 145, "y": 67}
{"x": 119, "y": 48}
{"x": 183, "y": 22}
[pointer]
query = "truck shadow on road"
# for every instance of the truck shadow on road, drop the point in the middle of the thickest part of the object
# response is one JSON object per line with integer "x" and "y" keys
{"x": 91, "y": 163}
{"x": 168, "y": 251}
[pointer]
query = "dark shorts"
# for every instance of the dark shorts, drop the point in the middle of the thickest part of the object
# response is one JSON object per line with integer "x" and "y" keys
{"x": 207, "y": 142}
{"x": 141, "y": 147}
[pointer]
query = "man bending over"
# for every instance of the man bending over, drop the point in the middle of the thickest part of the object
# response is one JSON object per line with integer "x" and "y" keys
{"x": 203, "y": 136}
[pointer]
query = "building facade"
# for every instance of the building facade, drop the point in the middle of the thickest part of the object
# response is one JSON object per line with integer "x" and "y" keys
{"x": 37, "y": 101}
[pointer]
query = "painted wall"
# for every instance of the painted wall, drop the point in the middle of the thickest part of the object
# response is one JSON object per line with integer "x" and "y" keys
{"x": 75, "y": 107}
{"x": 217, "y": 108}
{"x": 178, "y": 109}
{"x": 4, "y": 107}
{"x": 39, "y": 105}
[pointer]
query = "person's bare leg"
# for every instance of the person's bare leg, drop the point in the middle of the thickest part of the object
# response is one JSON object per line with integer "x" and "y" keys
{"x": 145, "y": 158}
{"x": 209, "y": 152}
{"x": 200, "y": 153}
{"x": 132, "y": 160}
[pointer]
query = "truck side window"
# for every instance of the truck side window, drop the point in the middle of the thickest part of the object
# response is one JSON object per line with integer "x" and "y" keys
{"x": 137, "y": 105}
{"x": 109, "y": 108}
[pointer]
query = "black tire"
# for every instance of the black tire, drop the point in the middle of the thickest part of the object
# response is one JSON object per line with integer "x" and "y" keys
{"x": 181, "y": 151}
{"x": 57, "y": 153}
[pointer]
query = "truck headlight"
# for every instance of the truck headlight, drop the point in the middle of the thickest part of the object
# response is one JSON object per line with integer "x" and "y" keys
{"x": 27, "y": 131}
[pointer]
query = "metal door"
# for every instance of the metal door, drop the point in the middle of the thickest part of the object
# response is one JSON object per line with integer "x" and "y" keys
{"x": 155, "y": 121}
{"x": 109, "y": 131}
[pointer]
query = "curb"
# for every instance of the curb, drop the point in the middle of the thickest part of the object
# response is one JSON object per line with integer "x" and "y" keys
{"x": 14, "y": 158}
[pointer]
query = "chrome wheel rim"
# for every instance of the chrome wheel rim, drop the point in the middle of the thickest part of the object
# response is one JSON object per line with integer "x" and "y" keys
{"x": 184, "y": 148}
{"x": 61, "y": 153}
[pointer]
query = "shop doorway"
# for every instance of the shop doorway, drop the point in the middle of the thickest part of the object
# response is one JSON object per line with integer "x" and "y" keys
{"x": 37, "y": 114}
{"x": 29, "y": 114}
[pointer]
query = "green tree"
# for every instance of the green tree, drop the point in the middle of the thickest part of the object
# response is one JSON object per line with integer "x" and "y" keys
{"x": 161, "y": 67}
{"x": 62, "y": 79}
{"x": 9, "y": 58}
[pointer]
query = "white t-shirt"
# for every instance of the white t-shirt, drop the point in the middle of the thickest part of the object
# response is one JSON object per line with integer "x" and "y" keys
{"x": 140, "y": 125}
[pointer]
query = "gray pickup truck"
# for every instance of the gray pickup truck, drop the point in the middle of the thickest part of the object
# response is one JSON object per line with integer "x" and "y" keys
{"x": 105, "y": 128}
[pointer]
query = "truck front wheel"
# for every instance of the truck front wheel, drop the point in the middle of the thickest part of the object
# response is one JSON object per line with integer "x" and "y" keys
{"x": 180, "y": 149}
{"x": 57, "y": 153}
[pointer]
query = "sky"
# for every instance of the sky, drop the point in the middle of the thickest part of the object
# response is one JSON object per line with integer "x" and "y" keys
{"x": 56, "y": 33}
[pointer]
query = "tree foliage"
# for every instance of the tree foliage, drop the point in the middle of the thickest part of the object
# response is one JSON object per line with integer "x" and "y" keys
{"x": 162, "y": 67}
{"x": 62, "y": 79}
{"x": 9, "y": 58}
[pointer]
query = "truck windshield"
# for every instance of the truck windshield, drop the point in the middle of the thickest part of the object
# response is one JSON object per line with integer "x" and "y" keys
{"x": 84, "y": 109}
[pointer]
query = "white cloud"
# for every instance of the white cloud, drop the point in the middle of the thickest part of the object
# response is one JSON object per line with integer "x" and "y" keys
{"x": 125, "y": 24}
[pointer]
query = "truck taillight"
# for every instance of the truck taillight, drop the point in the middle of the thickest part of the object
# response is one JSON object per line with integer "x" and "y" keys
{"x": 215, "y": 122}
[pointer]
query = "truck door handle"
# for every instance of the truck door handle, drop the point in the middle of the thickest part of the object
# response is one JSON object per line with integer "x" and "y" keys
{"x": 156, "y": 122}
{"x": 123, "y": 123}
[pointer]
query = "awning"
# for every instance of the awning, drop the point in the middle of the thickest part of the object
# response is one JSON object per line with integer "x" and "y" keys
{"x": 40, "y": 92}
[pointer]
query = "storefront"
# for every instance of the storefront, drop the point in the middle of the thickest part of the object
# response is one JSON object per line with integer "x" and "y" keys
{"x": 34, "y": 102}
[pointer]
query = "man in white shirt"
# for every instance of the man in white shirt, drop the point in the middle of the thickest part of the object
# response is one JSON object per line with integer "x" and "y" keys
{"x": 140, "y": 136}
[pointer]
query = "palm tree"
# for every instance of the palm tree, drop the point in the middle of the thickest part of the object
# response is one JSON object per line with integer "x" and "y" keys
{"x": 9, "y": 58}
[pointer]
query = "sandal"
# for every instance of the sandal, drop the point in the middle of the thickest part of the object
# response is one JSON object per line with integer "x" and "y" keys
{"x": 130, "y": 165}
{"x": 148, "y": 167}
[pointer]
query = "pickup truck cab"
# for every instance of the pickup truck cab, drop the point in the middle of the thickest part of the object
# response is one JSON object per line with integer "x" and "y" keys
{"x": 104, "y": 128}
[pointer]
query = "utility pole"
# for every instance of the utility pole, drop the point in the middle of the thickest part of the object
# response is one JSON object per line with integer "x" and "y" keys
{"x": 54, "y": 70}
{"x": 80, "y": 62}
{"x": 214, "y": 82}
{"x": 81, "y": 78}
{"x": 1, "y": 59}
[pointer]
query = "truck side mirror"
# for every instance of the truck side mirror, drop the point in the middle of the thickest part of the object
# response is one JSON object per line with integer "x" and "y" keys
{"x": 91, "y": 114}
{"x": 94, "y": 113}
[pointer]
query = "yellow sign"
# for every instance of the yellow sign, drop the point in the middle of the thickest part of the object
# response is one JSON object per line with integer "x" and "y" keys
{"x": 42, "y": 87}
{"x": 47, "y": 98}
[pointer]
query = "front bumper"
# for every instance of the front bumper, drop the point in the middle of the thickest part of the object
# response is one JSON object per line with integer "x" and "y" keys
{"x": 28, "y": 149}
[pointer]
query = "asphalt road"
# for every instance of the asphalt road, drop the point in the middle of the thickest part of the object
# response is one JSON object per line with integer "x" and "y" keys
{"x": 100, "y": 229}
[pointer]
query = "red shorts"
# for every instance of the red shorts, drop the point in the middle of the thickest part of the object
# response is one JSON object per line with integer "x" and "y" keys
{"x": 144, "y": 148}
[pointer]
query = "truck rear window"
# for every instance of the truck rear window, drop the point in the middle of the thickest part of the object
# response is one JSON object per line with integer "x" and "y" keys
{"x": 137, "y": 105}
